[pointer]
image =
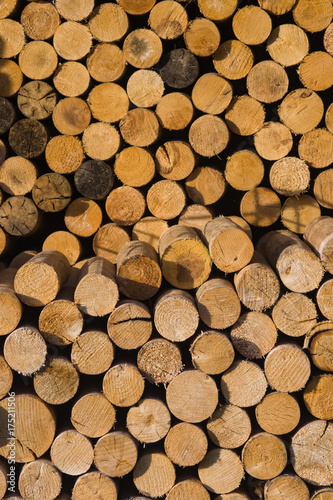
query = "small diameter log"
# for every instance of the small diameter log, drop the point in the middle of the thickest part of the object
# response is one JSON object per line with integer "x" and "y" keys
{"x": 38, "y": 60}
{"x": 168, "y": 19}
{"x": 8, "y": 115}
{"x": 94, "y": 179}
{"x": 267, "y": 82}
{"x": 71, "y": 79}
{"x": 273, "y": 141}
{"x": 212, "y": 352}
{"x": 316, "y": 148}
{"x": 244, "y": 170}
{"x": 211, "y": 93}
{"x": 39, "y": 478}
{"x": 97, "y": 274}
{"x": 229, "y": 427}
{"x": 298, "y": 213}
{"x": 175, "y": 315}
{"x": 93, "y": 415}
{"x": 277, "y": 7}
{"x": 72, "y": 41}
{"x": 323, "y": 299}
{"x": 245, "y": 116}
{"x": 311, "y": 453}
{"x": 115, "y": 454}
{"x": 106, "y": 62}
{"x": 34, "y": 427}
{"x": 316, "y": 71}
{"x": 88, "y": 484}
{"x": 142, "y": 48}
{"x": 149, "y": 420}
{"x": 218, "y": 304}
{"x": 92, "y": 353}
{"x": 60, "y": 322}
{"x": 108, "y": 102}
{"x": 264, "y": 456}
{"x": 175, "y": 111}
{"x": 139, "y": 127}
{"x": 294, "y": 314}
{"x": 257, "y": 285}
{"x": 72, "y": 453}
{"x": 40, "y": 21}
{"x": 322, "y": 188}
{"x": 154, "y": 474}
{"x": 319, "y": 235}
{"x": 310, "y": 110}
{"x": 278, "y": 413}
{"x": 188, "y": 489}
{"x": 287, "y": 368}
{"x": 7, "y": 8}
{"x": 17, "y": 175}
{"x": 149, "y": 229}
{"x": 57, "y": 382}
{"x": 245, "y": 19}
{"x": 179, "y": 68}
{"x": 28, "y": 138}
{"x": 318, "y": 397}
{"x": 109, "y": 240}
{"x": 221, "y": 471}
{"x": 230, "y": 247}
{"x": 19, "y": 216}
{"x": 64, "y": 154}
{"x": 159, "y": 361}
{"x": 139, "y": 275}
{"x": 134, "y": 166}
{"x": 208, "y": 135}
{"x": 123, "y": 385}
{"x": 10, "y": 309}
{"x": 196, "y": 216}
{"x": 66, "y": 243}
{"x": 253, "y": 335}
{"x": 202, "y": 37}
{"x": 321, "y": 346}
{"x": 39, "y": 280}
{"x": 166, "y": 199}
{"x": 205, "y": 185}
{"x": 6, "y": 378}
{"x": 125, "y": 205}
{"x": 74, "y": 10}
{"x": 290, "y": 486}
{"x": 25, "y": 350}
{"x": 313, "y": 17}
{"x": 298, "y": 267}
{"x": 101, "y": 141}
{"x": 12, "y": 36}
{"x": 192, "y": 396}
{"x": 233, "y": 60}
{"x": 36, "y": 100}
{"x": 108, "y": 23}
{"x": 11, "y": 78}
{"x": 83, "y": 217}
{"x": 185, "y": 261}
{"x": 288, "y": 45}
{"x": 289, "y": 176}
{"x": 71, "y": 116}
{"x": 323, "y": 494}
{"x": 243, "y": 384}
{"x": 185, "y": 444}
{"x": 175, "y": 160}
{"x": 136, "y": 7}
{"x": 52, "y": 192}
{"x": 130, "y": 325}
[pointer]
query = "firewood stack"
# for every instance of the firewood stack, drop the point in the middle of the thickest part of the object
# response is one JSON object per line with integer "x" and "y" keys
{"x": 166, "y": 242}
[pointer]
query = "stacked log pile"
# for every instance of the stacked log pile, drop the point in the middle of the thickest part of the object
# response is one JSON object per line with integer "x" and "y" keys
{"x": 166, "y": 243}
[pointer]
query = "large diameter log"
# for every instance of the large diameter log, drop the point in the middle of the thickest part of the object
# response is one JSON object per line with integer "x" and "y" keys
{"x": 243, "y": 384}
{"x": 175, "y": 315}
{"x": 154, "y": 474}
{"x": 39, "y": 280}
{"x": 186, "y": 444}
{"x": 287, "y": 368}
{"x": 39, "y": 478}
{"x": 60, "y": 322}
{"x": 185, "y": 261}
{"x": 244, "y": 20}
{"x": 7, "y": 8}
{"x": 88, "y": 484}
{"x": 57, "y": 382}
{"x": 130, "y": 324}
{"x": 72, "y": 453}
{"x": 109, "y": 240}
{"x": 4, "y": 479}
{"x": 93, "y": 415}
{"x": 35, "y": 426}
{"x": 317, "y": 396}
{"x": 297, "y": 266}
{"x": 291, "y": 486}
{"x": 229, "y": 427}
{"x": 115, "y": 454}
{"x": 264, "y": 456}
{"x": 25, "y": 350}
{"x": 289, "y": 176}
{"x": 217, "y": 12}
{"x": 229, "y": 246}
{"x": 192, "y": 396}
{"x": 123, "y": 385}
{"x": 6, "y": 377}
{"x": 92, "y": 352}
{"x": 139, "y": 275}
{"x": 253, "y": 335}
{"x": 311, "y": 452}
{"x": 221, "y": 471}
{"x": 212, "y": 352}
{"x": 159, "y": 361}
{"x": 149, "y": 420}
{"x": 319, "y": 235}
{"x": 218, "y": 304}
{"x": 244, "y": 169}
{"x": 294, "y": 314}
{"x": 234, "y": 495}
{"x": 278, "y": 413}
{"x": 202, "y": 37}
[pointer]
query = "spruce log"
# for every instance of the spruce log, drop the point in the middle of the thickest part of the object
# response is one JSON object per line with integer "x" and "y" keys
{"x": 202, "y": 37}
{"x": 168, "y": 19}
{"x": 196, "y": 216}
{"x": 273, "y": 141}
{"x": 328, "y": 39}
{"x": 139, "y": 275}
{"x": 71, "y": 116}
{"x": 211, "y": 93}
{"x": 154, "y": 474}
{"x": 212, "y": 352}
{"x": 245, "y": 19}
{"x": 316, "y": 71}
{"x": 108, "y": 102}
{"x": 64, "y": 242}
{"x": 318, "y": 396}
{"x": 106, "y": 62}
{"x": 243, "y": 384}
{"x": 278, "y": 413}
{"x": 233, "y": 59}
{"x": 60, "y": 322}
{"x": 134, "y": 166}
{"x": 208, "y": 135}
{"x": 319, "y": 235}
{"x": 51, "y": 192}
{"x": 123, "y": 385}
{"x": 72, "y": 40}
{"x": 175, "y": 160}
{"x": 245, "y": 116}
{"x": 244, "y": 169}
{"x": 149, "y": 420}
{"x": 217, "y": 12}
{"x": 145, "y": 88}
{"x": 316, "y": 148}
{"x": 6, "y": 379}
{"x": 136, "y": 7}
{"x": 12, "y": 38}
{"x": 125, "y": 205}
{"x": 72, "y": 453}
{"x": 25, "y": 350}
{"x": 288, "y": 45}
{"x": 74, "y": 10}
{"x": 149, "y": 229}
{"x": 267, "y": 82}
{"x": 108, "y": 23}
{"x": 38, "y": 60}
{"x": 323, "y": 299}
{"x": 139, "y": 127}
{"x": 253, "y": 335}
{"x": 298, "y": 213}
{"x": 115, "y": 454}
{"x": 15, "y": 184}
{"x": 92, "y": 352}
{"x": 142, "y": 48}
{"x": 264, "y": 456}
{"x": 130, "y": 324}
{"x": 329, "y": 117}
{"x": 289, "y": 176}
{"x": 39, "y": 479}
{"x": 287, "y": 368}
{"x": 88, "y": 484}
{"x": 57, "y": 382}
{"x": 229, "y": 427}
{"x": 221, "y": 471}
{"x": 8, "y": 8}
{"x": 322, "y": 188}
{"x": 188, "y": 489}
{"x": 291, "y": 486}
{"x": 11, "y": 78}
{"x": 64, "y": 154}
{"x": 108, "y": 241}
{"x": 179, "y": 68}
{"x": 83, "y": 217}
{"x": 93, "y": 415}
{"x": 101, "y": 141}
{"x": 159, "y": 361}
{"x": 205, "y": 185}
{"x": 185, "y": 444}
{"x": 310, "y": 110}
{"x": 166, "y": 199}
{"x": 277, "y": 7}
{"x": 36, "y": 100}
{"x": 185, "y": 261}
{"x": 313, "y": 16}
{"x": 71, "y": 79}
{"x": 175, "y": 111}
{"x": 294, "y": 314}
{"x": 28, "y": 138}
